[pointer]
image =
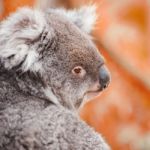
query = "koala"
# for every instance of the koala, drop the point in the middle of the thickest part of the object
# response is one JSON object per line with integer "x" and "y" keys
{"x": 48, "y": 64}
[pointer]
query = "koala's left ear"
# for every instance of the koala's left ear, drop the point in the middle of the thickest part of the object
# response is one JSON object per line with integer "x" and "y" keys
{"x": 84, "y": 18}
{"x": 18, "y": 35}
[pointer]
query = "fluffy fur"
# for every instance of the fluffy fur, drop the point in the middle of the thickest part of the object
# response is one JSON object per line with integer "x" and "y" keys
{"x": 39, "y": 93}
{"x": 84, "y": 17}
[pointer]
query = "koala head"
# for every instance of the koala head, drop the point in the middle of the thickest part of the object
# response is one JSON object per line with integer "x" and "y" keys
{"x": 56, "y": 46}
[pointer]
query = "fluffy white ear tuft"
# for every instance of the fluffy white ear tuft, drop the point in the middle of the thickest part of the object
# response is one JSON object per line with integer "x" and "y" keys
{"x": 84, "y": 18}
{"x": 17, "y": 33}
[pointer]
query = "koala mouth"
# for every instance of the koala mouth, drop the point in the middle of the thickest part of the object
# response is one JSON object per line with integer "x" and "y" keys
{"x": 93, "y": 92}
{"x": 88, "y": 96}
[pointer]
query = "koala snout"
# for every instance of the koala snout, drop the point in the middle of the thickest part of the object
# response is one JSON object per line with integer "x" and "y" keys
{"x": 104, "y": 77}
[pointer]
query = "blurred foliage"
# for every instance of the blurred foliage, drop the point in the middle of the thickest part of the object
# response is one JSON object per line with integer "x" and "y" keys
{"x": 122, "y": 33}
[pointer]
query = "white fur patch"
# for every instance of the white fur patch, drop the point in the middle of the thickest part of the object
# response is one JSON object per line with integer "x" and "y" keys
{"x": 49, "y": 94}
{"x": 31, "y": 58}
{"x": 19, "y": 53}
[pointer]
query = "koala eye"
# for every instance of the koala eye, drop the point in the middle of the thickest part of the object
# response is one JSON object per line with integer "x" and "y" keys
{"x": 78, "y": 71}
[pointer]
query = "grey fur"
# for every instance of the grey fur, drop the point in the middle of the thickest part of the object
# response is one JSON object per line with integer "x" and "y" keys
{"x": 38, "y": 50}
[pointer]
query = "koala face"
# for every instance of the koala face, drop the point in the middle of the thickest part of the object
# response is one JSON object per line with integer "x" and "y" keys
{"x": 56, "y": 44}
{"x": 77, "y": 63}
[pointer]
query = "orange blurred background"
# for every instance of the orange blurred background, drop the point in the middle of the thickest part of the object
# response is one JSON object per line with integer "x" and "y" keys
{"x": 122, "y": 112}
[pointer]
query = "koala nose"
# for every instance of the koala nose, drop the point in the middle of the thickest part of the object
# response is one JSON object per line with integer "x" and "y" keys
{"x": 104, "y": 77}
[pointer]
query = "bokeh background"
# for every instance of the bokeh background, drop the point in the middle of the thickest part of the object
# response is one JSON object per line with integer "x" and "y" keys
{"x": 122, "y": 33}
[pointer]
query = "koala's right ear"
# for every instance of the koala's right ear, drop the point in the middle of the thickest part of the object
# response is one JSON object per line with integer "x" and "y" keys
{"x": 17, "y": 36}
{"x": 84, "y": 17}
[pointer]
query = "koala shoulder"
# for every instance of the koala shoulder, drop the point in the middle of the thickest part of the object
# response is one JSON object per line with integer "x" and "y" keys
{"x": 60, "y": 129}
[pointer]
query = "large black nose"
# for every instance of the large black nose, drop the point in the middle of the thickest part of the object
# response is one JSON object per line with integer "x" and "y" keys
{"x": 104, "y": 77}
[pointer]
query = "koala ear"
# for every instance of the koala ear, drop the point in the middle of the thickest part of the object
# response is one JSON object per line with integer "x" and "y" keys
{"x": 18, "y": 34}
{"x": 84, "y": 18}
